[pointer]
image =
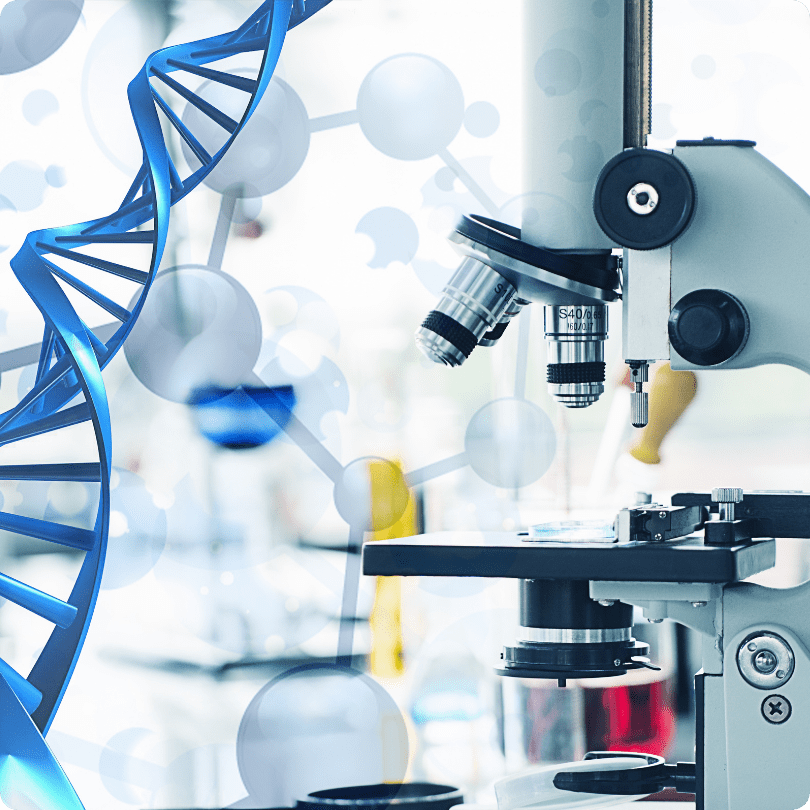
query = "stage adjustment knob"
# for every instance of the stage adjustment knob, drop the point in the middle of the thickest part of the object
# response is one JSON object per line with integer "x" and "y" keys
{"x": 727, "y": 498}
{"x": 708, "y": 327}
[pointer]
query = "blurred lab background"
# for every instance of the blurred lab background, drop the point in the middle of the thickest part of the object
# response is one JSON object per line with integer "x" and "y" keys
{"x": 237, "y": 657}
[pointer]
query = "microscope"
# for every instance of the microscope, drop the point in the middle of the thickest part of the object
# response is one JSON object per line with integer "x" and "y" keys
{"x": 702, "y": 245}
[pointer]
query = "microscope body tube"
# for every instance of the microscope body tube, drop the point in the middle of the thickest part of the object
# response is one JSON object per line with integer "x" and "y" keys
{"x": 573, "y": 100}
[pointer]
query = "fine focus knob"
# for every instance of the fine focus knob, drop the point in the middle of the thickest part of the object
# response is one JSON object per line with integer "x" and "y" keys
{"x": 708, "y": 327}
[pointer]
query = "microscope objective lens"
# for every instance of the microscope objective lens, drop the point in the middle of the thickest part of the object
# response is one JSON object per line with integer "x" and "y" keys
{"x": 576, "y": 353}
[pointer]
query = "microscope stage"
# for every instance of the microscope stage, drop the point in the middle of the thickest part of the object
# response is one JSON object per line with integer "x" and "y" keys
{"x": 509, "y": 554}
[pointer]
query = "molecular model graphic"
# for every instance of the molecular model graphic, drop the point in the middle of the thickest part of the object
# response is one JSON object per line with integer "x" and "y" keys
{"x": 220, "y": 339}
{"x": 249, "y": 322}
{"x": 68, "y": 390}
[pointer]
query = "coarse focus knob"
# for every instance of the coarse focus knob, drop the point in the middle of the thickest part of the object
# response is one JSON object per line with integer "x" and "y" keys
{"x": 644, "y": 199}
{"x": 708, "y": 327}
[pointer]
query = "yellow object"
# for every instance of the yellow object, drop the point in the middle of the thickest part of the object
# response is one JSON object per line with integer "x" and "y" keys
{"x": 670, "y": 395}
{"x": 389, "y": 498}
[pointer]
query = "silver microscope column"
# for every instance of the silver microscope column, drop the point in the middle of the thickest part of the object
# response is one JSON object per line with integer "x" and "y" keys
{"x": 574, "y": 111}
{"x": 573, "y": 63}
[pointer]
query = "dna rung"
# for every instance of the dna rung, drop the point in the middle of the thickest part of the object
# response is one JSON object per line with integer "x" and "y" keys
{"x": 68, "y": 388}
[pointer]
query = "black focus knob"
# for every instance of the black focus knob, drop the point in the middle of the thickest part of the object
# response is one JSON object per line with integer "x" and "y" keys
{"x": 644, "y": 199}
{"x": 708, "y": 327}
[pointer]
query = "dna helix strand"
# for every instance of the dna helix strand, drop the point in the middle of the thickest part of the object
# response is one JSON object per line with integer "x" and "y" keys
{"x": 68, "y": 389}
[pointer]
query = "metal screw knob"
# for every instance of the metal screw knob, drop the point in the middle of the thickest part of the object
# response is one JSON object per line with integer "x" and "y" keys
{"x": 640, "y": 409}
{"x": 765, "y": 662}
{"x": 727, "y": 495}
{"x": 726, "y": 498}
{"x": 639, "y": 374}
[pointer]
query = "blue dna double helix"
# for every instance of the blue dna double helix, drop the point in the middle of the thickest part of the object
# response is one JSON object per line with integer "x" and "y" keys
{"x": 69, "y": 391}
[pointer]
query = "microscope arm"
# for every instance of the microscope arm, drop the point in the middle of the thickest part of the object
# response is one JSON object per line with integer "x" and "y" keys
{"x": 749, "y": 237}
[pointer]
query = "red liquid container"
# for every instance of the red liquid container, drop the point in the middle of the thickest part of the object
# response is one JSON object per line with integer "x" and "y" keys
{"x": 637, "y": 717}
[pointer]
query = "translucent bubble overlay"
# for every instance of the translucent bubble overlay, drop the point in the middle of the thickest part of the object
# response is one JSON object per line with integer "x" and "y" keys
{"x": 317, "y": 393}
{"x": 558, "y": 72}
{"x": 448, "y": 192}
{"x": 704, "y": 66}
{"x": 510, "y": 443}
{"x": 317, "y": 727}
{"x": 126, "y": 776}
{"x": 585, "y": 159}
{"x": 255, "y": 611}
{"x": 572, "y": 59}
{"x": 55, "y": 176}
{"x": 394, "y": 233}
{"x": 267, "y": 153}
{"x": 198, "y": 327}
{"x": 112, "y": 59}
{"x": 481, "y": 119}
{"x": 410, "y": 106}
{"x": 22, "y": 186}
{"x": 290, "y": 308}
{"x": 137, "y": 531}
{"x": 38, "y": 105}
{"x": 353, "y": 494}
{"x": 32, "y": 30}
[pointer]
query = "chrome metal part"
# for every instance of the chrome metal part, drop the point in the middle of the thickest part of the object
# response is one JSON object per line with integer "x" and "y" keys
{"x": 642, "y": 199}
{"x": 639, "y": 374}
{"x": 512, "y": 311}
{"x": 765, "y": 660}
{"x": 553, "y": 635}
{"x": 576, "y": 353}
{"x": 472, "y": 303}
{"x": 727, "y": 498}
{"x": 646, "y": 279}
{"x": 533, "y": 283}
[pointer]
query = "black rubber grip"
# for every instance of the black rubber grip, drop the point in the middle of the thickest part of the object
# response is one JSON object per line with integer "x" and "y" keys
{"x": 566, "y": 373}
{"x": 495, "y": 334}
{"x": 452, "y": 331}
